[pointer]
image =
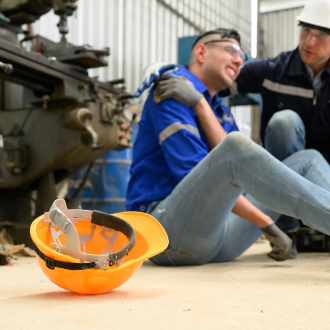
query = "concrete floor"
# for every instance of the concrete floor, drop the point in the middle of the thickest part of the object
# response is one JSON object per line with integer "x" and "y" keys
{"x": 253, "y": 292}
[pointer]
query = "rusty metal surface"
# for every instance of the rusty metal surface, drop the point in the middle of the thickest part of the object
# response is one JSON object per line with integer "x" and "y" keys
{"x": 58, "y": 121}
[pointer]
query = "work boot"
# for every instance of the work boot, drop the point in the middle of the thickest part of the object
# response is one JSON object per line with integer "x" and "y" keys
{"x": 294, "y": 251}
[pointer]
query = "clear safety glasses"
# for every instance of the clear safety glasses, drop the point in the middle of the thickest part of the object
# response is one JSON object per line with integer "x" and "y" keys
{"x": 317, "y": 35}
{"x": 231, "y": 48}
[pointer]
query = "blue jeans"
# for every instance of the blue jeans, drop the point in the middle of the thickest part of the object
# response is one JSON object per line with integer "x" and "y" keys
{"x": 197, "y": 214}
{"x": 285, "y": 135}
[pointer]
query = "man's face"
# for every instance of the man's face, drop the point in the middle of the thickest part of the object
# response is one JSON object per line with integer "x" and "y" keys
{"x": 314, "y": 47}
{"x": 222, "y": 65}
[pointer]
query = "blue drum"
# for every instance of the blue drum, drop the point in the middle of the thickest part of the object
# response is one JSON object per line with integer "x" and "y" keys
{"x": 106, "y": 185}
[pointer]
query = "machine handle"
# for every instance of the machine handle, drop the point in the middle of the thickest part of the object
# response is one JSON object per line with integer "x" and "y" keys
{"x": 6, "y": 67}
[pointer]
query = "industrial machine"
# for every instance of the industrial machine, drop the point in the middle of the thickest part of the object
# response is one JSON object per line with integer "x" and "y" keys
{"x": 66, "y": 119}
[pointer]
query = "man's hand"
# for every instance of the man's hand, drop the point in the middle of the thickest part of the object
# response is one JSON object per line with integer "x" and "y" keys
{"x": 280, "y": 239}
{"x": 178, "y": 88}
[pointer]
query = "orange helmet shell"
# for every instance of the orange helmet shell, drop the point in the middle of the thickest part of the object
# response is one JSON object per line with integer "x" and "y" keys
{"x": 151, "y": 239}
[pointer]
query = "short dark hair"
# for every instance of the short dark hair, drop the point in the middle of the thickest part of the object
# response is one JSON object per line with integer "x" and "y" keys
{"x": 224, "y": 33}
{"x": 316, "y": 27}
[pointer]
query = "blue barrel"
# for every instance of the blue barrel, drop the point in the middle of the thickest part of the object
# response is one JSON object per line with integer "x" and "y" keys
{"x": 106, "y": 186}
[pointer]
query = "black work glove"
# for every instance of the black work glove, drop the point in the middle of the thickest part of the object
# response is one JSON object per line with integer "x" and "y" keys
{"x": 276, "y": 236}
{"x": 178, "y": 88}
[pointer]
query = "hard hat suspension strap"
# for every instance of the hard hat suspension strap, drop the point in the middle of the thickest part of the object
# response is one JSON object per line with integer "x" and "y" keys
{"x": 113, "y": 222}
{"x": 52, "y": 264}
{"x": 65, "y": 220}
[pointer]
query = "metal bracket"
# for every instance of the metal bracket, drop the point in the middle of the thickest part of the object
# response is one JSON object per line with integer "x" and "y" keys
{"x": 50, "y": 263}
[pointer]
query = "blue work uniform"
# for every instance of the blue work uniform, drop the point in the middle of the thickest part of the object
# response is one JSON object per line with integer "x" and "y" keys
{"x": 285, "y": 83}
{"x": 169, "y": 144}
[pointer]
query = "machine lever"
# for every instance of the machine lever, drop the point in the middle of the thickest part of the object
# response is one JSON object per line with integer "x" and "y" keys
{"x": 94, "y": 135}
{"x": 6, "y": 67}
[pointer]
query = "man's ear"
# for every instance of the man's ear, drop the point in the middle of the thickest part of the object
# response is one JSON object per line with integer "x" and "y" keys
{"x": 200, "y": 53}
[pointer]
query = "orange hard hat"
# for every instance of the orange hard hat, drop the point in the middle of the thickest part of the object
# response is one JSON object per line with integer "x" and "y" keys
{"x": 94, "y": 252}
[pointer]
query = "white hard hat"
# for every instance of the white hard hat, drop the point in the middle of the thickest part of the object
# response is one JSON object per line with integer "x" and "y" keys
{"x": 150, "y": 68}
{"x": 316, "y": 12}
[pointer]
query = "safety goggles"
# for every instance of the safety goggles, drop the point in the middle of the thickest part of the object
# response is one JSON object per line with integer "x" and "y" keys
{"x": 231, "y": 48}
{"x": 318, "y": 36}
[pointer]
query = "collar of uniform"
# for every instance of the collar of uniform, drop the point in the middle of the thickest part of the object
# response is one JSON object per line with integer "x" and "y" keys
{"x": 321, "y": 75}
{"x": 325, "y": 73}
{"x": 198, "y": 84}
{"x": 294, "y": 66}
{"x": 310, "y": 71}
{"x": 201, "y": 88}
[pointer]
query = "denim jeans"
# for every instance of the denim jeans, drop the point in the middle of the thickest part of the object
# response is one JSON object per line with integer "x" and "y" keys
{"x": 197, "y": 214}
{"x": 285, "y": 135}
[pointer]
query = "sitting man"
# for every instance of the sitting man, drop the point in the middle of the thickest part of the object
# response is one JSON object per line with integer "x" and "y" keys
{"x": 295, "y": 89}
{"x": 190, "y": 175}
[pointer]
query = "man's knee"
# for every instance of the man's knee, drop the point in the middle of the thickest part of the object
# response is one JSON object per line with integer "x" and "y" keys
{"x": 285, "y": 121}
{"x": 235, "y": 143}
{"x": 285, "y": 134}
{"x": 312, "y": 154}
{"x": 236, "y": 139}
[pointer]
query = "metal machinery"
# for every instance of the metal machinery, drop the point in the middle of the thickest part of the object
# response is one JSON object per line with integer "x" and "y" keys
{"x": 67, "y": 119}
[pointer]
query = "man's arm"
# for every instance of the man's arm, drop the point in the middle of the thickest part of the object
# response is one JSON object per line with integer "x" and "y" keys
{"x": 212, "y": 129}
{"x": 243, "y": 208}
{"x": 175, "y": 127}
{"x": 246, "y": 210}
{"x": 183, "y": 91}
{"x": 214, "y": 134}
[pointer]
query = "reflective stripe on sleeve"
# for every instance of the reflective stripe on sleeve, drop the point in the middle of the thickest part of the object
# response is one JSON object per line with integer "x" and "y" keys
{"x": 224, "y": 118}
{"x": 286, "y": 89}
{"x": 175, "y": 127}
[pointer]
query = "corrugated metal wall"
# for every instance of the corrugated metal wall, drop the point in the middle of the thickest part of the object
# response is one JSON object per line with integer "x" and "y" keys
{"x": 280, "y": 31}
{"x": 140, "y": 32}
{"x": 243, "y": 118}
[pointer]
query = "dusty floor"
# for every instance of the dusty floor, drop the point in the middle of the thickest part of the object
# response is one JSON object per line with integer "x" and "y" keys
{"x": 251, "y": 293}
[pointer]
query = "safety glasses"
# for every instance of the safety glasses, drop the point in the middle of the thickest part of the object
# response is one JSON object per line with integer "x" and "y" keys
{"x": 318, "y": 36}
{"x": 231, "y": 48}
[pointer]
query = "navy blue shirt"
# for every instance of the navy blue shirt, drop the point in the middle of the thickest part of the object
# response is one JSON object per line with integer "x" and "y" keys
{"x": 169, "y": 144}
{"x": 285, "y": 83}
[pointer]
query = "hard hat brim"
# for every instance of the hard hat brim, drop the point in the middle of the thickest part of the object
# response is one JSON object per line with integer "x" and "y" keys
{"x": 312, "y": 22}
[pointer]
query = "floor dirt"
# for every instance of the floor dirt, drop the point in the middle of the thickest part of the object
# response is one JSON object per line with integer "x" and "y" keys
{"x": 252, "y": 292}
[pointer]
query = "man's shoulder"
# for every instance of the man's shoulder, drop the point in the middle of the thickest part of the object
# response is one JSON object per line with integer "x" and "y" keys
{"x": 269, "y": 63}
{"x": 277, "y": 66}
{"x": 281, "y": 57}
{"x": 182, "y": 71}
{"x": 168, "y": 107}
